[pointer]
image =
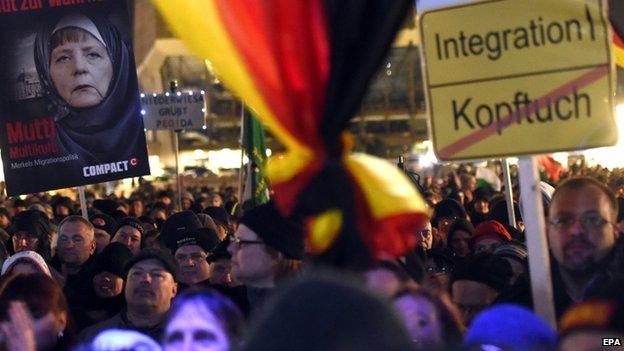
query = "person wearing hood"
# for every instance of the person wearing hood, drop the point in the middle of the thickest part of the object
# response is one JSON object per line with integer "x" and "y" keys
{"x": 459, "y": 237}
{"x": 488, "y": 236}
{"x": 151, "y": 285}
{"x": 106, "y": 290}
{"x": 445, "y": 213}
{"x": 31, "y": 231}
{"x": 86, "y": 70}
{"x": 62, "y": 207}
{"x": 187, "y": 200}
{"x": 221, "y": 219}
{"x": 104, "y": 228}
{"x": 25, "y": 262}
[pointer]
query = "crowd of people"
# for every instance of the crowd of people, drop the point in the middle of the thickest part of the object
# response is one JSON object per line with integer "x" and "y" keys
{"x": 140, "y": 274}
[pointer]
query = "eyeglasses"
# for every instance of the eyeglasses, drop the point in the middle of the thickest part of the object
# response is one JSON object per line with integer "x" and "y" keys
{"x": 588, "y": 221}
{"x": 239, "y": 243}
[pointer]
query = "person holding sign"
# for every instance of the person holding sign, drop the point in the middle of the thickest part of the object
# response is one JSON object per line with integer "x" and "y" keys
{"x": 85, "y": 71}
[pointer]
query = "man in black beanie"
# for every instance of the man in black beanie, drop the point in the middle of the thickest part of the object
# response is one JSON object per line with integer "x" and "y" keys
{"x": 130, "y": 233}
{"x": 62, "y": 207}
{"x": 104, "y": 227}
{"x": 31, "y": 231}
{"x": 191, "y": 244}
{"x": 478, "y": 282}
{"x": 264, "y": 248}
{"x": 221, "y": 219}
{"x": 151, "y": 285}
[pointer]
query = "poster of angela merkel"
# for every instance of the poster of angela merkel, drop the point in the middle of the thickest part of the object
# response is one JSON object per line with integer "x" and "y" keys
{"x": 69, "y": 99}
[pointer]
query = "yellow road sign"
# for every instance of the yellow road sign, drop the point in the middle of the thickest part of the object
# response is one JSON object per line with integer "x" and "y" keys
{"x": 512, "y": 77}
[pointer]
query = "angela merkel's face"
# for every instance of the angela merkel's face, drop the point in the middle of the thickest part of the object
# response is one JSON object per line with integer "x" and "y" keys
{"x": 81, "y": 71}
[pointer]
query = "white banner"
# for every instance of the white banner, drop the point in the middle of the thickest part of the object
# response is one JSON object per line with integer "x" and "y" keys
{"x": 173, "y": 111}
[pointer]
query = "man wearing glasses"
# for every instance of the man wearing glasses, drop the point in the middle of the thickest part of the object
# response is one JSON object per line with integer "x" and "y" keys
{"x": 582, "y": 237}
{"x": 265, "y": 248}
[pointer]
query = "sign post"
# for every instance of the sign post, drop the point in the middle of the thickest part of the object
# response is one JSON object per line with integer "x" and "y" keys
{"x": 520, "y": 77}
{"x": 173, "y": 87}
{"x": 537, "y": 245}
{"x": 511, "y": 214}
{"x": 83, "y": 202}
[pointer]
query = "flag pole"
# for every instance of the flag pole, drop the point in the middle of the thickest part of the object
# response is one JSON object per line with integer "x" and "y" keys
{"x": 242, "y": 135}
{"x": 173, "y": 87}
{"x": 83, "y": 202}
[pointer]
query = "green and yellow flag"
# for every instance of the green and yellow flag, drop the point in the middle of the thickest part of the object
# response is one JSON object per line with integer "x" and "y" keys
{"x": 256, "y": 186}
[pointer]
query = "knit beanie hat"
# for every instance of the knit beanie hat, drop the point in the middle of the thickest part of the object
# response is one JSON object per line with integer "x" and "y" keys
{"x": 65, "y": 202}
{"x": 112, "y": 259}
{"x": 276, "y": 231}
{"x": 447, "y": 208}
{"x": 512, "y": 328}
{"x": 203, "y": 237}
{"x": 130, "y": 222}
{"x": 107, "y": 206}
{"x": 207, "y": 221}
{"x": 460, "y": 224}
{"x": 490, "y": 270}
{"x": 104, "y": 222}
{"x": 218, "y": 214}
{"x": 147, "y": 219}
{"x": 187, "y": 195}
{"x": 39, "y": 207}
{"x": 482, "y": 194}
{"x": 184, "y": 228}
{"x": 33, "y": 222}
{"x": 29, "y": 256}
{"x": 220, "y": 251}
{"x": 164, "y": 257}
{"x": 498, "y": 211}
{"x": 491, "y": 230}
{"x": 512, "y": 249}
{"x": 121, "y": 339}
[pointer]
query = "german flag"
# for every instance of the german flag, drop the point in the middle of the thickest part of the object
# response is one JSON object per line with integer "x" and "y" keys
{"x": 616, "y": 16}
{"x": 303, "y": 67}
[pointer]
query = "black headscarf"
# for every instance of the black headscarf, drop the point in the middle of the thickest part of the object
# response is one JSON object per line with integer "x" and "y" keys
{"x": 110, "y": 130}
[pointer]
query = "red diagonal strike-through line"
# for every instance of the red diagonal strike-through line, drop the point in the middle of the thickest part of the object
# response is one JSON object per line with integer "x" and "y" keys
{"x": 508, "y": 120}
